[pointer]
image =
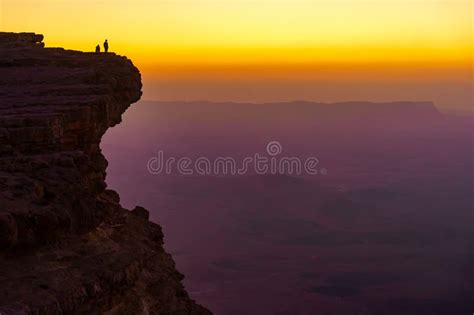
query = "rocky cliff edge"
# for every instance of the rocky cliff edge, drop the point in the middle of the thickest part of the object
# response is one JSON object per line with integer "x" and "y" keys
{"x": 66, "y": 244}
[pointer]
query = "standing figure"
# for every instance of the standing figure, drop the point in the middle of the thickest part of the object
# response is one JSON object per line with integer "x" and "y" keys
{"x": 106, "y": 46}
{"x": 97, "y": 48}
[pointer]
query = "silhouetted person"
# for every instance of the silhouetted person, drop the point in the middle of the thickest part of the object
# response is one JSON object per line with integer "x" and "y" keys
{"x": 97, "y": 49}
{"x": 106, "y": 46}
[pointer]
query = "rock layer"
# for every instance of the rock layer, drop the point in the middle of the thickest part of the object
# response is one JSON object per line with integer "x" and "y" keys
{"x": 67, "y": 246}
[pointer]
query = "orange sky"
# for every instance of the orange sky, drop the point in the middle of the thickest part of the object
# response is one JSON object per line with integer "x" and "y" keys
{"x": 428, "y": 40}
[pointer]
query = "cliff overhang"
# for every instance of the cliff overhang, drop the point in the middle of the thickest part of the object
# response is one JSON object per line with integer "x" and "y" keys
{"x": 67, "y": 246}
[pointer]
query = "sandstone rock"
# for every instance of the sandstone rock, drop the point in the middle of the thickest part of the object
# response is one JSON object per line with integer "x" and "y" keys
{"x": 8, "y": 230}
{"x": 141, "y": 212}
{"x": 38, "y": 191}
{"x": 66, "y": 244}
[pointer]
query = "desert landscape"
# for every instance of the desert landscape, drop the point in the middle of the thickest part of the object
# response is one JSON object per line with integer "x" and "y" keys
{"x": 386, "y": 230}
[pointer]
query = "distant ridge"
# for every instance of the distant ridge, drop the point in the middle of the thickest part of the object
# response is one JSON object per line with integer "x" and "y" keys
{"x": 405, "y": 110}
{"x": 361, "y": 104}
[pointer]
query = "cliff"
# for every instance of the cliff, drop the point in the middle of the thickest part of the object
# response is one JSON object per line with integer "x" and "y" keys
{"x": 66, "y": 244}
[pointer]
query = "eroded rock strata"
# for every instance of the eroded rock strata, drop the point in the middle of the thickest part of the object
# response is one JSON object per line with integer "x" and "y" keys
{"x": 67, "y": 246}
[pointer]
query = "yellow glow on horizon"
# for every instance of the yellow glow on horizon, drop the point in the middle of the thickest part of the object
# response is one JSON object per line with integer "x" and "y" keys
{"x": 175, "y": 33}
{"x": 272, "y": 50}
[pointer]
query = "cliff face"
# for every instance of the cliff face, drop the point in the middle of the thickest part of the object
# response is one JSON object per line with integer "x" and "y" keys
{"x": 66, "y": 244}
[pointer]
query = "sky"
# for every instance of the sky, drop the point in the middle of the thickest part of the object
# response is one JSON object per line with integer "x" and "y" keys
{"x": 188, "y": 48}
